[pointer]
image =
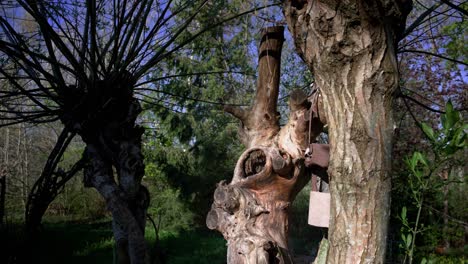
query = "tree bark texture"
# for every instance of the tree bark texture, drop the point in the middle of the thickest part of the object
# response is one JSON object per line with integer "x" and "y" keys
{"x": 106, "y": 122}
{"x": 2, "y": 197}
{"x": 252, "y": 211}
{"x": 350, "y": 48}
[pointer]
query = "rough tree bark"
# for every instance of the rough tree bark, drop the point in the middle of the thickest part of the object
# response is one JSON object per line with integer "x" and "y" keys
{"x": 350, "y": 48}
{"x": 113, "y": 141}
{"x": 2, "y": 195}
{"x": 105, "y": 119}
{"x": 252, "y": 210}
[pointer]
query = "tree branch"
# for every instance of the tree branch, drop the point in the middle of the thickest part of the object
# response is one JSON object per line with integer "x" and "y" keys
{"x": 456, "y": 7}
{"x": 421, "y": 104}
{"x": 45, "y": 189}
{"x": 158, "y": 57}
{"x": 419, "y": 20}
{"x": 432, "y": 54}
{"x": 237, "y": 112}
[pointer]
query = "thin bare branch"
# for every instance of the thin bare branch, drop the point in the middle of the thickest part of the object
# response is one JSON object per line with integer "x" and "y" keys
{"x": 160, "y": 56}
{"x": 459, "y": 8}
{"x": 433, "y": 54}
{"x": 419, "y": 20}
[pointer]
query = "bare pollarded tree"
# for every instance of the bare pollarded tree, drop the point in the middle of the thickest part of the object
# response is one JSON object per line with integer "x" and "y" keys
{"x": 79, "y": 62}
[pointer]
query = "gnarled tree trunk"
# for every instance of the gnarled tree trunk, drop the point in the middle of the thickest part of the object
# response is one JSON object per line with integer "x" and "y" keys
{"x": 105, "y": 119}
{"x": 252, "y": 210}
{"x": 350, "y": 48}
{"x": 113, "y": 141}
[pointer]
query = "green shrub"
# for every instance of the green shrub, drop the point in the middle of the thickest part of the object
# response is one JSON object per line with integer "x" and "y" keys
{"x": 167, "y": 207}
{"x": 435, "y": 259}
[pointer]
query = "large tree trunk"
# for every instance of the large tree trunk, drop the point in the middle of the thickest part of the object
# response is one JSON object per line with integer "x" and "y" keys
{"x": 105, "y": 118}
{"x": 113, "y": 141}
{"x": 128, "y": 208}
{"x": 350, "y": 48}
{"x": 252, "y": 210}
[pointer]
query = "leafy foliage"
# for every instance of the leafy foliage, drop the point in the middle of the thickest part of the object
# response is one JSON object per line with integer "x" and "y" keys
{"x": 457, "y": 45}
{"x": 428, "y": 174}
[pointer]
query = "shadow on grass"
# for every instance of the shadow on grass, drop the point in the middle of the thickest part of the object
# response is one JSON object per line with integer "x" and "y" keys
{"x": 81, "y": 242}
{"x": 196, "y": 246}
{"x": 59, "y": 242}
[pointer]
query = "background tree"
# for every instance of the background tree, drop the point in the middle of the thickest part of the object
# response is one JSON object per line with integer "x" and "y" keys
{"x": 432, "y": 65}
{"x": 95, "y": 55}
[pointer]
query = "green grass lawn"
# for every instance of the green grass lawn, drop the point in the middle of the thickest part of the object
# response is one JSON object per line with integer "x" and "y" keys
{"x": 69, "y": 242}
{"x": 82, "y": 242}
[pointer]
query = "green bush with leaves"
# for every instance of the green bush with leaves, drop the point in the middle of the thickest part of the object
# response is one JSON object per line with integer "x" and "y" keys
{"x": 168, "y": 208}
{"x": 426, "y": 176}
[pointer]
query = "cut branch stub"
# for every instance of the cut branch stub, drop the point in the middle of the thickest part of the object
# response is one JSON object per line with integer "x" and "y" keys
{"x": 260, "y": 123}
{"x": 226, "y": 198}
{"x": 268, "y": 76}
{"x": 298, "y": 100}
{"x": 293, "y": 137}
{"x": 281, "y": 163}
